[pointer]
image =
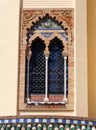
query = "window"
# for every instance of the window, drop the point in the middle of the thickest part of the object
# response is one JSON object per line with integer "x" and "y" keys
{"x": 46, "y": 74}
{"x": 46, "y": 60}
{"x": 36, "y": 68}
{"x": 56, "y": 68}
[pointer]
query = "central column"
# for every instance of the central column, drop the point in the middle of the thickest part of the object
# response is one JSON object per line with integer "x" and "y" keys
{"x": 46, "y": 53}
{"x": 46, "y": 80}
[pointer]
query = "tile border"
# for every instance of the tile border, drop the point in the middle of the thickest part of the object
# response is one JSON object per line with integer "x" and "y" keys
{"x": 48, "y": 119}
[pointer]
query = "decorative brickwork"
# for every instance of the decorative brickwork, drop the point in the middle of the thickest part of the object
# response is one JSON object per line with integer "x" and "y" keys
{"x": 30, "y": 19}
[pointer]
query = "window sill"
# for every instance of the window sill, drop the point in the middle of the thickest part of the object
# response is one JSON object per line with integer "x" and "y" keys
{"x": 47, "y": 103}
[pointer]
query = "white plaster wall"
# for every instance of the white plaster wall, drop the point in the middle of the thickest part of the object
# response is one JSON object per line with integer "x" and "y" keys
{"x": 48, "y": 3}
{"x": 9, "y": 29}
{"x": 81, "y": 59}
{"x": 9, "y": 21}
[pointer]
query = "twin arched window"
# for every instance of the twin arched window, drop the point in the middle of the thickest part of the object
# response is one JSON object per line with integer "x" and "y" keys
{"x": 46, "y": 75}
{"x": 36, "y": 70}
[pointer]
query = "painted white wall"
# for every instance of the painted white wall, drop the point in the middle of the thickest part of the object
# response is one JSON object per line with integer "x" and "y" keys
{"x": 81, "y": 59}
{"x": 48, "y": 3}
{"x": 9, "y": 21}
{"x": 9, "y": 32}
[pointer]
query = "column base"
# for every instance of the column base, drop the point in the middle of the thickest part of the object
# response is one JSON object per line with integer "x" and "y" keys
{"x": 46, "y": 100}
{"x": 28, "y": 99}
{"x": 65, "y": 99}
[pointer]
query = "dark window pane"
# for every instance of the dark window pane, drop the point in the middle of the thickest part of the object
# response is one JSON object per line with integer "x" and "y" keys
{"x": 37, "y": 68}
{"x": 56, "y": 68}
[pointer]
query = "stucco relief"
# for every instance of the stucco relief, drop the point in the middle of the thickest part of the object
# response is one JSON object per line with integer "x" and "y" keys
{"x": 63, "y": 17}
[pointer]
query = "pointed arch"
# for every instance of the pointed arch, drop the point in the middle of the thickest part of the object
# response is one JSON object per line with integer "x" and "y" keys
{"x": 43, "y": 19}
{"x": 36, "y": 67}
{"x": 47, "y": 22}
{"x": 56, "y": 67}
{"x": 32, "y": 38}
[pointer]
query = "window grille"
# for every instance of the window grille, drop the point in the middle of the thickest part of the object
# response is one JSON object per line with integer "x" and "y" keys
{"x": 36, "y": 68}
{"x": 48, "y": 74}
{"x": 56, "y": 67}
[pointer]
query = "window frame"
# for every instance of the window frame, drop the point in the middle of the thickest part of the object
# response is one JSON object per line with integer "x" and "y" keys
{"x": 22, "y": 105}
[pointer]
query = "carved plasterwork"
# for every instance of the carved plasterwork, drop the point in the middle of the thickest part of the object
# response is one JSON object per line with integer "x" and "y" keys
{"x": 64, "y": 17}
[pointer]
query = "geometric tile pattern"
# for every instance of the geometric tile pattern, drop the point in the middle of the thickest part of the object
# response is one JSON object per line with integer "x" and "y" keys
{"x": 49, "y": 120}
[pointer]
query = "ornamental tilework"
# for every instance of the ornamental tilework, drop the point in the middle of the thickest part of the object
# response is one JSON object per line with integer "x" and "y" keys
{"x": 48, "y": 24}
{"x": 48, "y": 121}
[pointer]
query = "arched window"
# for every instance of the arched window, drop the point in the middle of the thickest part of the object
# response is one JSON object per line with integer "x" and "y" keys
{"x": 36, "y": 68}
{"x": 47, "y": 67}
{"x": 56, "y": 67}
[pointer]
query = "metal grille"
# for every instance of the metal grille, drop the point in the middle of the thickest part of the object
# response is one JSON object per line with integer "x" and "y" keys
{"x": 37, "y": 72}
{"x": 56, "y": 71}
{"x": 56, "y": 68}
{"x": 36, "y": 68}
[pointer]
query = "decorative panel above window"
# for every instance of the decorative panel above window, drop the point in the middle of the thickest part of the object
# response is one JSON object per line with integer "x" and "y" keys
{"x": 46, "y": 78}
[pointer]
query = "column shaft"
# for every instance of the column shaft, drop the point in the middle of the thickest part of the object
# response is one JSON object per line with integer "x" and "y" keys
{"x": 46, "y": 81}
{"x": 65, "y": 86}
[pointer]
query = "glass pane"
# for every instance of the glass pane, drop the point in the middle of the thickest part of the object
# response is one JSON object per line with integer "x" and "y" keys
{"x": 56, "y": 70}
{"x": 37, "y": 68}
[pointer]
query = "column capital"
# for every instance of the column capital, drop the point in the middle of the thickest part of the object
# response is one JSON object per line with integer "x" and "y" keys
{"x": 46, "y": 55}
{"x": 46, "y": 52}
{"x": 28, "y": 51}
{"x": 29, "y": 54}
{"x": 65, "y": 55}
